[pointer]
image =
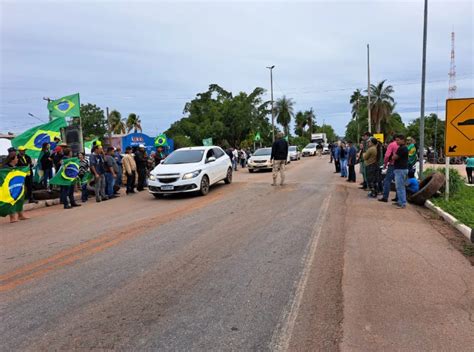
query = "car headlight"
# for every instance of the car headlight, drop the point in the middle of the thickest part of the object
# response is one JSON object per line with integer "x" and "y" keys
{"x": 152, "y": 177}
{"x": 190, "y": 175}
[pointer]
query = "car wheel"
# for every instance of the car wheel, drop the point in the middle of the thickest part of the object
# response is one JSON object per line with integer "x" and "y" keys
{"x": 204, "y": 186}
{"x": 228, "y": 179}
{"x": 157, "y": 195}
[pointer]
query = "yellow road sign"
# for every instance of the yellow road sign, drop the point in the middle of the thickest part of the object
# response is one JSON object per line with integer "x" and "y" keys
{"x": 379, "y": 137}
{"x": 459, "y": 135}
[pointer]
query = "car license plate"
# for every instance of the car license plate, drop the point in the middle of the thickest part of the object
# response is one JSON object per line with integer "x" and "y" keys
{"x": 167, "y": 188}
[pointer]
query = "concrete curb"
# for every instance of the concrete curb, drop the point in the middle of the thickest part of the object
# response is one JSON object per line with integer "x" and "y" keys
{"x": 464, "y": 229}
{"x": 45, "y": 203}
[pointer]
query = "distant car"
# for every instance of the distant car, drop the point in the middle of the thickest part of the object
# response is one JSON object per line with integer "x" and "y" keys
{"x": 309, "y": 150}
{"x": 190, "y": 170}
{"x": 294, "y": 153}
{"x": 260, "y": 160}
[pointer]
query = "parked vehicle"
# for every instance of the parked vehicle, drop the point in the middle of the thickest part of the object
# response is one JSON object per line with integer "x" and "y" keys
{"x": 190, "y": 170}
{"x": 260, "y": 160}
{"x": 294, "y": 153}
{"x": 309, "y": 150}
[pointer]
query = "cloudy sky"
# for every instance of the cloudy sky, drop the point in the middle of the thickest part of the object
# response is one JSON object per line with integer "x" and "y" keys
{"x": 151, "y": 57}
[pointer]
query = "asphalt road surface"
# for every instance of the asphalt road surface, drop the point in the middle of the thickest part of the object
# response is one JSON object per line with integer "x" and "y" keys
{"x": 248, "y": 267}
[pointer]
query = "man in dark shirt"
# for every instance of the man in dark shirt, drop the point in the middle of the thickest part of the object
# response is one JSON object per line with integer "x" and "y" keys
{"x": 141, "y": 161}
{"x": 400, "y": 170}
{"x": 97, "y": 166}
{"x": 279, "y": 157}
{"x": 351, "y": 161}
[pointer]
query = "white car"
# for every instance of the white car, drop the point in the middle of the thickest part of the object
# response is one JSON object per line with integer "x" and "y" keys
{"x": 294, "y": 153}
{"x": 309, "y": 150}
{"x": 260, "y": 160}
{"x": 190, "y": 170}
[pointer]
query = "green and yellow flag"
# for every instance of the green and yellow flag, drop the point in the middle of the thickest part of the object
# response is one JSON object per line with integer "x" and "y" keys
{"x": 161, "y": 140}
{"x": 12, "y": 189}
{"x": 68, "y": 106}
{"x": 257, "y": 137}
{"x": 34, "y": 138}
{"x": 67, "y": 174}
{"x": 207, "y": 142}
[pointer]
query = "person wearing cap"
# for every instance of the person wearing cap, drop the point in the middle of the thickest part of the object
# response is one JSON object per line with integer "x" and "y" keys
{"x": 130, "y": 168}
{"x": 371, "y": 166}
{"x": 11, "y": 151}
{"x": 279, "y": 157}
{"x": 25, "y": 160}
{"x": 141, "y": 160}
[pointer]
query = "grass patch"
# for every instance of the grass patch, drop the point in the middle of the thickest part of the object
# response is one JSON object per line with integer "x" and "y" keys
{"x": 468, "y": 250}
{"x": 460, "y": 205}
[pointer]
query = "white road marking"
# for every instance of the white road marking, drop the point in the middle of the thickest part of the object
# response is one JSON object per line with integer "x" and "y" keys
{"x": 284, "y": 330}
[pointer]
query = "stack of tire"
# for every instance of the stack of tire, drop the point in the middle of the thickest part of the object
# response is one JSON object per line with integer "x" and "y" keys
{"x": 428, "y": 188}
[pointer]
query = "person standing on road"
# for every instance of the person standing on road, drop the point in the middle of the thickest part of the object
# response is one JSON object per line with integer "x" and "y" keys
{"x": 130, "y": 168}
{"x": 400, "y": 171}
{"x": 279, "y": 157}
{"x": 412, "y": 154}
{"x": 25, "y": 160}
{"x": 388, "y": 162}
{"x": 46, "y": 162}
{"x": 111, "y": 171}
{"x": 98, "y": 170}
{"x": 337, "y": 162}
{"x": 11, "y": 162}
{"x": 83, "y": 172}
{"x": 351, "y": 161}
{"x": 118, "y": 160}
{"x": 235, "y": 161}
{"x": 343, "y": 159}
{"x": 371, "y": 166}
{"x": 243, "y": 158}
{"x": 469, "y": 168}
{"x": 141, "y": 160}
{"x": 67, "y": 192}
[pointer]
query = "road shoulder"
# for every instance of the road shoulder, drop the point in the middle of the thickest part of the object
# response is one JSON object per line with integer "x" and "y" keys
{"x": 405, "y": 287}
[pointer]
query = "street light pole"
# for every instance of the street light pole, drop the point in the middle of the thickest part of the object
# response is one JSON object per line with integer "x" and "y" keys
{"x": 423, "y": 80}
{"x": 368, "y": 88}
{"x": 271, "y": 92}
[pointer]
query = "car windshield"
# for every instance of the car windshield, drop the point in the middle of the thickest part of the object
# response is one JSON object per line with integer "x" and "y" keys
{"x": 292, "y": 149}
{"x": 263, "y": 151}
{"x": 184, "y": 157}
{"x": 311, "y": 145}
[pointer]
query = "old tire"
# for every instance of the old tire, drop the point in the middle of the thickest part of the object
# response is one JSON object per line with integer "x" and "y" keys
{"x": 428, "y": 188}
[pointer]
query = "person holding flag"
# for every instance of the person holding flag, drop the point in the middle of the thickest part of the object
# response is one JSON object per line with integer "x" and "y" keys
{"x": 12, "y": 189}
{"x": 25, "y": 160}
{"x": 66, "y": 178}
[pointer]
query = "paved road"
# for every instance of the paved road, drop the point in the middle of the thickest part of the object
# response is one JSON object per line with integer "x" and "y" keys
{"x": 249, "y": 267}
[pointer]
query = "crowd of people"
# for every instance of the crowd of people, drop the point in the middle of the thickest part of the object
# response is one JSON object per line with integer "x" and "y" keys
{"x": 238, "y": 157}
{"x": 104, "y": 171}
{"x": 380, "y": 165}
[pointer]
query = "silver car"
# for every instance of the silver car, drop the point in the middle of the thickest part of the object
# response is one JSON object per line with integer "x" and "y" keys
{"x": 294, "y": 153}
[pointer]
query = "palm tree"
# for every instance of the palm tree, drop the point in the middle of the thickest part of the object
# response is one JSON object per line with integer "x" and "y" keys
{"x": 134, "y": 123}
{"x": 116, "y": 124}
{"x": 357, "y": 99}
{"x": 381, "y": 104}
{"x": 284, "y": 112}
{"x": 301, "y": 121}
{"x": 310, "y": 120}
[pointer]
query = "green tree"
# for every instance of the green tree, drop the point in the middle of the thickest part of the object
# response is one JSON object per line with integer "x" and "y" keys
{"x": 300, "y": 123}
{"x": 93, "y": 121}
{"x": 116, "y": 124}
{"x": 434, "y": 132}
{"x": 134, "y": 123}
{"x": 284, "y": 112}
{"x": 382, "y": 104}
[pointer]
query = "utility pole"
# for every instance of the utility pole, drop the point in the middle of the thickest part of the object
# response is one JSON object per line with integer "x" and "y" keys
{"x": 271, "y": 92}
{"x": 48, "y": 100}
{"x": 108, "y": 124}
{"x": 368, "y": 88}
{"x": 451, "y": 95}
{"x": 423, "y": 81}
{"x": 357, "y": 120}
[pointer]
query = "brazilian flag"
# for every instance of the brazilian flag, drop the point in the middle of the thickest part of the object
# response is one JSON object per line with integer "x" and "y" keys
{"x": 207, "y": 142}
{"x": 67, "y": 174}
{"x": 161, "y": 140}
{"x": 12, "y": 189}
{"x": 86, "y": 178}
{"x": 34, "y": 138}
{"x": 68, "y": 106}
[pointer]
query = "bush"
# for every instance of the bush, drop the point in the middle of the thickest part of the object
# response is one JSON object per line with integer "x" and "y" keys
{"x": 456, "y": 181}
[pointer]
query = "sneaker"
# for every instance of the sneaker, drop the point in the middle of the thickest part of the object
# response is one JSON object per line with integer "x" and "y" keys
{"x": 76, "y": 205}
{"x": 398, "y": 206}
{"x": 67, "y": 206}
{"x": 383, "y": 200}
